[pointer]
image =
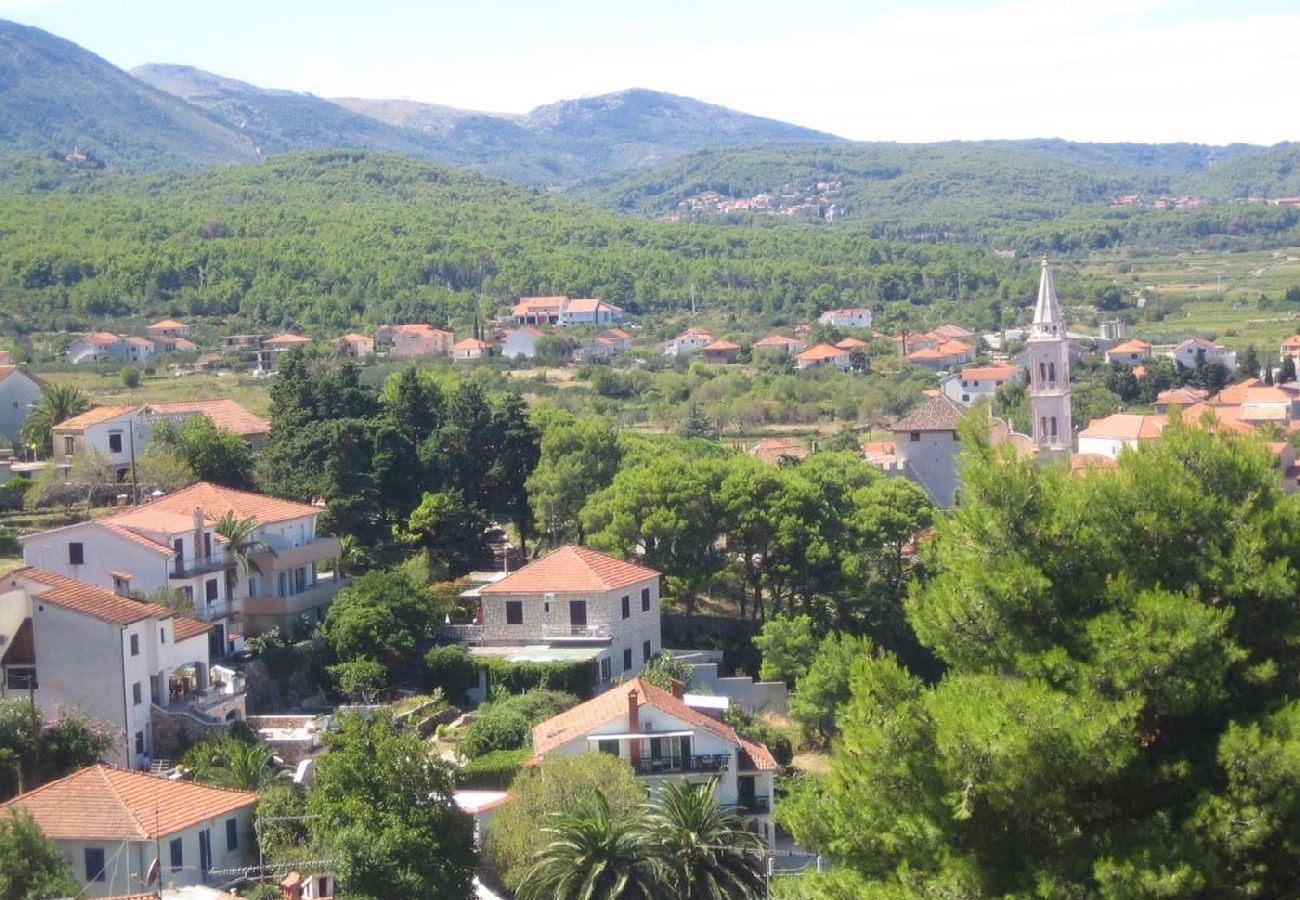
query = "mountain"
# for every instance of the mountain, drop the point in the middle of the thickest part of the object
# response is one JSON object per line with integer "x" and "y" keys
{"x": 56, "y": 97}
{"x": 283, "y": 121}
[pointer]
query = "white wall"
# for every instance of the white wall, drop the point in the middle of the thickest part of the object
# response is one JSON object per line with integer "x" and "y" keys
{"x": 18, "y": 393}
{"x": 103, "y": 551}
{"x": 931, "y": 461}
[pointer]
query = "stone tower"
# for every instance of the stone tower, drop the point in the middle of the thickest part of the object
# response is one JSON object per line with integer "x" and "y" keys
{"x": 1049, "y": 370}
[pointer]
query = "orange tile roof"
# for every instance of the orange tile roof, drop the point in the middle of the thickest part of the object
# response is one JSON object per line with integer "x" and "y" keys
{"x": 572, "y": 568}
{"x": 953, "y": 331}
{"x": 955, "y": 347}
{"x": 1133, "y": 346}
{"x": 216, "y": 501}
{"x": 184, "y": 628}
{"x": 103, "y": 803}
{"x": 585, "y": 305}
{"x": 927, "y": 353}
{"x": 1266, "y": 393}
{"x": 755, "y": 757}
{"x": 940, "y": 414}
{"x": 96, "y": 601}
{"x": 223, "y": 412}
{"x": 94, "y": 416}
{"x": 470, "y": 343}
{"x": 821, "y": 351}
{"x": 420, "y": 328}
{"x": 773, "y": 450}
{"x": 1126, "y": 427}
{"x": 1292, "y": 343}
{"x": 720, "y": 345}
{"x": 166, "y": 323}
{"x": 1183, "y": 396}
{"x": 850, "y": 343}
{"x": 101, "y": 338}
{"x": 777, "y": 340}
{"x": 617, "y": 333}
{"x": 139, "y": 341}
{"x": 287, "y": 339}
{"x": 354, "y": 336}
{"x": 992, "y": 372}
{"x": 1234, "y": 394}
{"x": 586, "y": 717}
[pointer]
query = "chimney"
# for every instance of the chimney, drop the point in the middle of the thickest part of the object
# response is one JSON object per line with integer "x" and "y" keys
{"x": 678, "y": 688}
{"x": 634, "y": 725}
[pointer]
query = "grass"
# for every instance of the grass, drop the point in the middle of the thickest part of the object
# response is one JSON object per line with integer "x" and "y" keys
{"x": 251, "y": 393}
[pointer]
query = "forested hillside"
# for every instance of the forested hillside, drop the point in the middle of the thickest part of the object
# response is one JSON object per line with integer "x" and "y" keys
{"x": 324, "y": 240}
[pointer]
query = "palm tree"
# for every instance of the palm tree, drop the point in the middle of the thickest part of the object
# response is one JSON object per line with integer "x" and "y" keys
{"x": 595, "y": 856}
{"x": 239, "y": 533}
{"x": 708, "y": 851}
{"x": 233, "y": 763}
{"x": 59, "y": 402}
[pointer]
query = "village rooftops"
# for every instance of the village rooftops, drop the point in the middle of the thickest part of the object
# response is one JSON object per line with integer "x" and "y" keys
{"x": 98, "y": 602}
{"x": 104, "y": 803}
{"x": 94, "y": 416}
{"x": 571, "y": 568}
{"x": 215, "y": 501}
{"x": 939, "y": 414}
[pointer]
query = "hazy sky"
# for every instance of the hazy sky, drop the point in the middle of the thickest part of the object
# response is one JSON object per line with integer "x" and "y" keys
{"x": 1091, "y": 70}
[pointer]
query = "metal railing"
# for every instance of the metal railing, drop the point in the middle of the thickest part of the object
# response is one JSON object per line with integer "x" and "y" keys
{"x": 470, "y": 634}
{"x": 760, "y": 805}
{"x": 188, "y": 567}
{"x": 589, "y": 632}
{"x": 676, "y": 765}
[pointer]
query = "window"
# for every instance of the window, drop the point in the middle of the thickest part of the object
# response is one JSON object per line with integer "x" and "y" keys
{"x": 69, "y": 445}
{"x": 605, "y": 669}
{"x": 578, "y": 613}
{"x": 177, "y": 850}
{"x": 514, "y": 612}
{"x": 1053, "y": 424}
{"x": 21, "y": 678}
{"x": 914, "y": 436}
{"x": 76, "y": 553}
{"x": 645, "y": 599}
{"x": 645, "y": 652}
{"x": 137, "y": 696}
{"x": 205, "y": 851}
{"x": 610, "y": 747}
{"x": 115, "y": 442}
{"x": 95, "y": 864}
{"x": 210, "y": 590}
{"x": 965, "y": 398}
{"x": 207, "y": 543}
{"x": 627, "y": 658}
{"x": 627, "y": 606}
{"x": 139, "y": 743}
{"x": 232, "y": 835}
{"x": 162, "y": 635}
{"x": 135, "y": 645}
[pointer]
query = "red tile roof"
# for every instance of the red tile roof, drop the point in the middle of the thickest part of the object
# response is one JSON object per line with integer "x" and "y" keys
{"x": 225, "y": 413}
{"x": 470, "y": 343}
{"x": 939, "y": 414}
{"x": 586, "y": 717}
{"x": 1126, "y": 427}
{"x": 850, "y": 343}
{"x": 821, "y": 351}
{"x": 755, "y": 757}
{"x": 991, "y": 372}
{"x": 720, "y": 346}
{"x": 586, "y": 305}
{"x": 103, "y": 803}
{"x": 216, "y": 501}
{"x": 1234, "y": 394}
{"x": 97, "y": 601}
{"x": 93, "y": 416}
{"x": 572, "y": 568}
{"x": 777, "y": 340}
{"x": 1133, "y": 346}
{"x": 165, "y": 323}
{"x": 287, "y": 339}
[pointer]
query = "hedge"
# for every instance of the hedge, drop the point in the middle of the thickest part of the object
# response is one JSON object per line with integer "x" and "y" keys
{"x": 493, "y": 771}
{"x": 506, "y": 677}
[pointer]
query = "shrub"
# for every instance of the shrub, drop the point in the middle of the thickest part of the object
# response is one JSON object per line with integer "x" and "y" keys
{"x": 504, "y": 729}
{"x": 755, "y": 729}
{"x": 494, "y": 770}
{"x": 506, "y": 677}
{"x": 451, "y": 669}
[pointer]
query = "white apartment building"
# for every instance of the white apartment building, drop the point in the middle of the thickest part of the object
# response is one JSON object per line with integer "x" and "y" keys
{"x": 118, "y": 660}
{"x": 115, "y": 826}
{"x": 663, "y": 738}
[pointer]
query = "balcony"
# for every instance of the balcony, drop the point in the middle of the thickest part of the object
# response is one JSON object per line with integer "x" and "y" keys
{"x": 467, "y": 634}
{"x": 191, "y": 566}
{"x": 708, "y": 764}
{"x": 575, "y": 632}
{"x": 760, "y": 806}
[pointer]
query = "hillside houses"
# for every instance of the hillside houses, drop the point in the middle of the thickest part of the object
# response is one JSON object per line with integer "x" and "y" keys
{"x": 823, "y": 356}
{"x": 564, "y": 311}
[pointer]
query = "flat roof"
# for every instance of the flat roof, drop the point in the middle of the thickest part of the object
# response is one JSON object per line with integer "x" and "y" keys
{"x": 705, "y": 701}
{"x": 538, "y": 653}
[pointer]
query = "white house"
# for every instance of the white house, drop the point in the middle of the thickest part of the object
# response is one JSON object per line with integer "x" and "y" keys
{"x": 1130, "y": 353}
{"x": 779, "y": 345}
{"x": 417, "y": 339}
{"x": 522, "y": 342}
{"x": 973, "y": 382}
{"x": 689, "y": 341}
{"x": 122, "y": 661}
{"x": 19, "y": 393}
{"x": 165, "y": 328}
{"x": 113, "y": 826}
{"x": 590, "y": 311}
{"x": 663, "y": 738}
{"x": 104, "y": 345}
{"x": 1198, "y": 351}
{"x": 577, "y": 604}
{"x": 119, "y": 433}
{"x": 823, "y": 355}
{"x": 469, "y": 349}
{"x": 846, "y": 318}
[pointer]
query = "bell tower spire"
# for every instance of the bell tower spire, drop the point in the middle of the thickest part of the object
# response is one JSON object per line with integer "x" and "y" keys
{"x": 1049, "y": 369}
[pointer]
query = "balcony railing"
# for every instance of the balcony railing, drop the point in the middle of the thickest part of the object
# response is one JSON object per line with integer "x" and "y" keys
{"x": 469, "y": 634}
{"x": 677, "y": 765}
{"x": 188, "y": 567}
{"x": 576, "y": 632}
{"x": 755, "y": 805}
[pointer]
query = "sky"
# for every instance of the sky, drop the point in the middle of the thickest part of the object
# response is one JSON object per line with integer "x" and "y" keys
{"x": 1207, "y": 71}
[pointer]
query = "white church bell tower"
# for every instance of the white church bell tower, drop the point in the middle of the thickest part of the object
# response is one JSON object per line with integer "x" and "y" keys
{"x": 1049, "y": 370}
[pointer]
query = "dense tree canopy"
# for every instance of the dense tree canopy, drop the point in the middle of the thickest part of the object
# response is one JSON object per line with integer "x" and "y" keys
{"x": 1119, "y": 703}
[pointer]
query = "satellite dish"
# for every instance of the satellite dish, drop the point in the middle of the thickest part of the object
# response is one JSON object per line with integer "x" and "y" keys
{"x": 154, "y": 870}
